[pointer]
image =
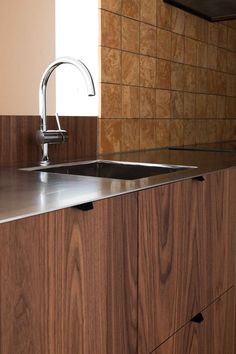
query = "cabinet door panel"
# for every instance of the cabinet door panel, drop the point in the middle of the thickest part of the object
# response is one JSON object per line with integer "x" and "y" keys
{"x": 169, "y": 267}
{"x": 185, "y": 254}
{"x": 216, "y": 221}
{"x": 99, "y": 279}
{"x": 25, "y": 284}
{"x": 69, "y": 281}
{"x": 215, "y": 335}
{"x": 232, "y": 223}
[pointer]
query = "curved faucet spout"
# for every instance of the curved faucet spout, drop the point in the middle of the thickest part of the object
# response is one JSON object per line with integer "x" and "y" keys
{"x": 43, "y": 93}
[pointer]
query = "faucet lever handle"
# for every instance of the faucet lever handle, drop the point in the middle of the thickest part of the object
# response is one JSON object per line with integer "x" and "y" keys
{"x": 58, "y": 121}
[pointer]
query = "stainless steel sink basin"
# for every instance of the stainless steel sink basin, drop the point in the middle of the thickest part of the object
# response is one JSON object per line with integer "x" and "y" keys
{"x": 113, "y": 169}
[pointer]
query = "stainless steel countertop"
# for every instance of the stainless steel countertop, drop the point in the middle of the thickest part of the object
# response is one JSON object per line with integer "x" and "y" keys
{"x": 24, "y": 194}
{"x": 222, "y": 146}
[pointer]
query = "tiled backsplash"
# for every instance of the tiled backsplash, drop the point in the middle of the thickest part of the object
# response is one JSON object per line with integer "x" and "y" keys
{"x": 167, "y": 77}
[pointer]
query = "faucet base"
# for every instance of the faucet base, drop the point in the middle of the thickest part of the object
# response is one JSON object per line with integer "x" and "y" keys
{"x": 44, "y": 163}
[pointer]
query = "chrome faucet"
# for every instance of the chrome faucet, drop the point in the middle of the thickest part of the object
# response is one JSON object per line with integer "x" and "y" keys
{"x": 45, "y": 136}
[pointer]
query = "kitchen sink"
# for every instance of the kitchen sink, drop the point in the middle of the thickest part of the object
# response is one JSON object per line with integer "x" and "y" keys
{"x": 113, "y": 169}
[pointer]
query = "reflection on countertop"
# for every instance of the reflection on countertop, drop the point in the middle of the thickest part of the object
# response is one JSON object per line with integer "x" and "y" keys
{"x": 222, "y": 146}
{"x": 24, "y": 194}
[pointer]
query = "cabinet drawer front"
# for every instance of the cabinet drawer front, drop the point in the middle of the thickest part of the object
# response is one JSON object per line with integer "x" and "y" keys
{"x": 214, "y": 335}
{"x": 185, "y": 254}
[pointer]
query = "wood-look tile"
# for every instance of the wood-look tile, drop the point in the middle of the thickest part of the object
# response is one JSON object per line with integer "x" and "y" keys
{"x": 130, "y": 69}
{"x": 110, "y": 135}
{"x": 177, "y": 104}
{"x": 201, "y": 80}
{"x": 163, "y": 103}
{"x": 131, "y": 8}
{"x": 213, "y": 33}
{"x": 163, "y": 74}
{"x": 201, "y": 106}
{"x": 110, "y": 30}
{"x": 222, "y": 36}
{"x": 176, "y": 132}
{"x": 219, "y": 124}
{"x": 130, "y": 134}
{"x": 190, "y": 25}
{"x": 190, "y": 54}
{"x": 221, "y": 84}
{"x": 111, "y": 5}
{"x": 231, "y": 39}
{"x": 201, "y": 131}
{"x": 231, "y": 85}
{"x": 211, "y": 106}
{"x": 212, "y": 57}
{"x": 163, "y": 44}
{"x": 190, "y": 78}
{"x": 110, "y": 65}
{"x": 211, "y": 130}
{"x": 147, "y": 134}
{"x": 147, "y": 71}
{"x": 147, "y": 102}
{"x": 162, "y": 132}
{"x": 212, "y": 82}
{"x": 231, "y": 62}
{"x": 177, "y": 76}
{"x": 130, "y": 35}
{"x": 178, "y": 20}
{"x": 230, "y": 108}
{"x": 177, "y": 48}
{"x": 228, "y": 133}
{"x": 130, "y": 102}
{"x": 202, "y": 54}
{"x": 189, "y": 132}
{"x": 111, "y": 98}
{"x": 148, "y": 37}
{"x": 189, "y": 105}
{"x": 148, "y": 11}
{"x": 220, "y": 107}
{"x": 221, "y": 59}
{"x": 164, "y": 14}
{"x": 202, "y": 29}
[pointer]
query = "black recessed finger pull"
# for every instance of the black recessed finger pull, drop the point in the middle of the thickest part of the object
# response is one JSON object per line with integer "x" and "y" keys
{"x": 84, "y": 207}
{"x": 199, "y": 178}
{"x": 198, "y": 318}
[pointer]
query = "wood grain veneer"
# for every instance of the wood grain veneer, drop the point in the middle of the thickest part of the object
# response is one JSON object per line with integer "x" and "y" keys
{"x": 68, "y": 281}
{"x": 185, "y": 254}
{"x": 215, "y": 335}
{"x": 18, "y": 143}
{"x": 26, "y": 314}
{"x": 233, "y": 226}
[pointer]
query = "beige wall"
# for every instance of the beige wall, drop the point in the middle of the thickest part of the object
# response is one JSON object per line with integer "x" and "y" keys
{"x": 27, "y": 45}
{"x": 167, "y": 77}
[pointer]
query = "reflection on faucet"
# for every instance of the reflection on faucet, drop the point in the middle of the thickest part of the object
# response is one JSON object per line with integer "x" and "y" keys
{"x": 45, "y": 136}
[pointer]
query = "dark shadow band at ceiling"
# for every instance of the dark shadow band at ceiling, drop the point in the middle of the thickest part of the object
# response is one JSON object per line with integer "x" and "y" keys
{"x": 212, "y": 10}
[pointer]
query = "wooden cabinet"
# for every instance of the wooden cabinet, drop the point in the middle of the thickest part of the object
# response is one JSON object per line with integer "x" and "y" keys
{"x": 125, "y": 277}
{"x": 185, "y": 254}
{"x": 69, "y": 281}
{"x": 214, "y": 335}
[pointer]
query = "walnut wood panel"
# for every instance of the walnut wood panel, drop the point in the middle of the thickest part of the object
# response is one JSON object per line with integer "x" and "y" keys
{"x": 185, "y": 254}
{"x": 215, "y": 335}
{"x": 18, "y": 143}
{"x": 165, "y": 251}
{"x": 216, "y": 222}
{"x": 99, "y": 279}
{"x": 26, "y": 317}
{"x": 233, "y": 224}
{"x": 69, "y": 281}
